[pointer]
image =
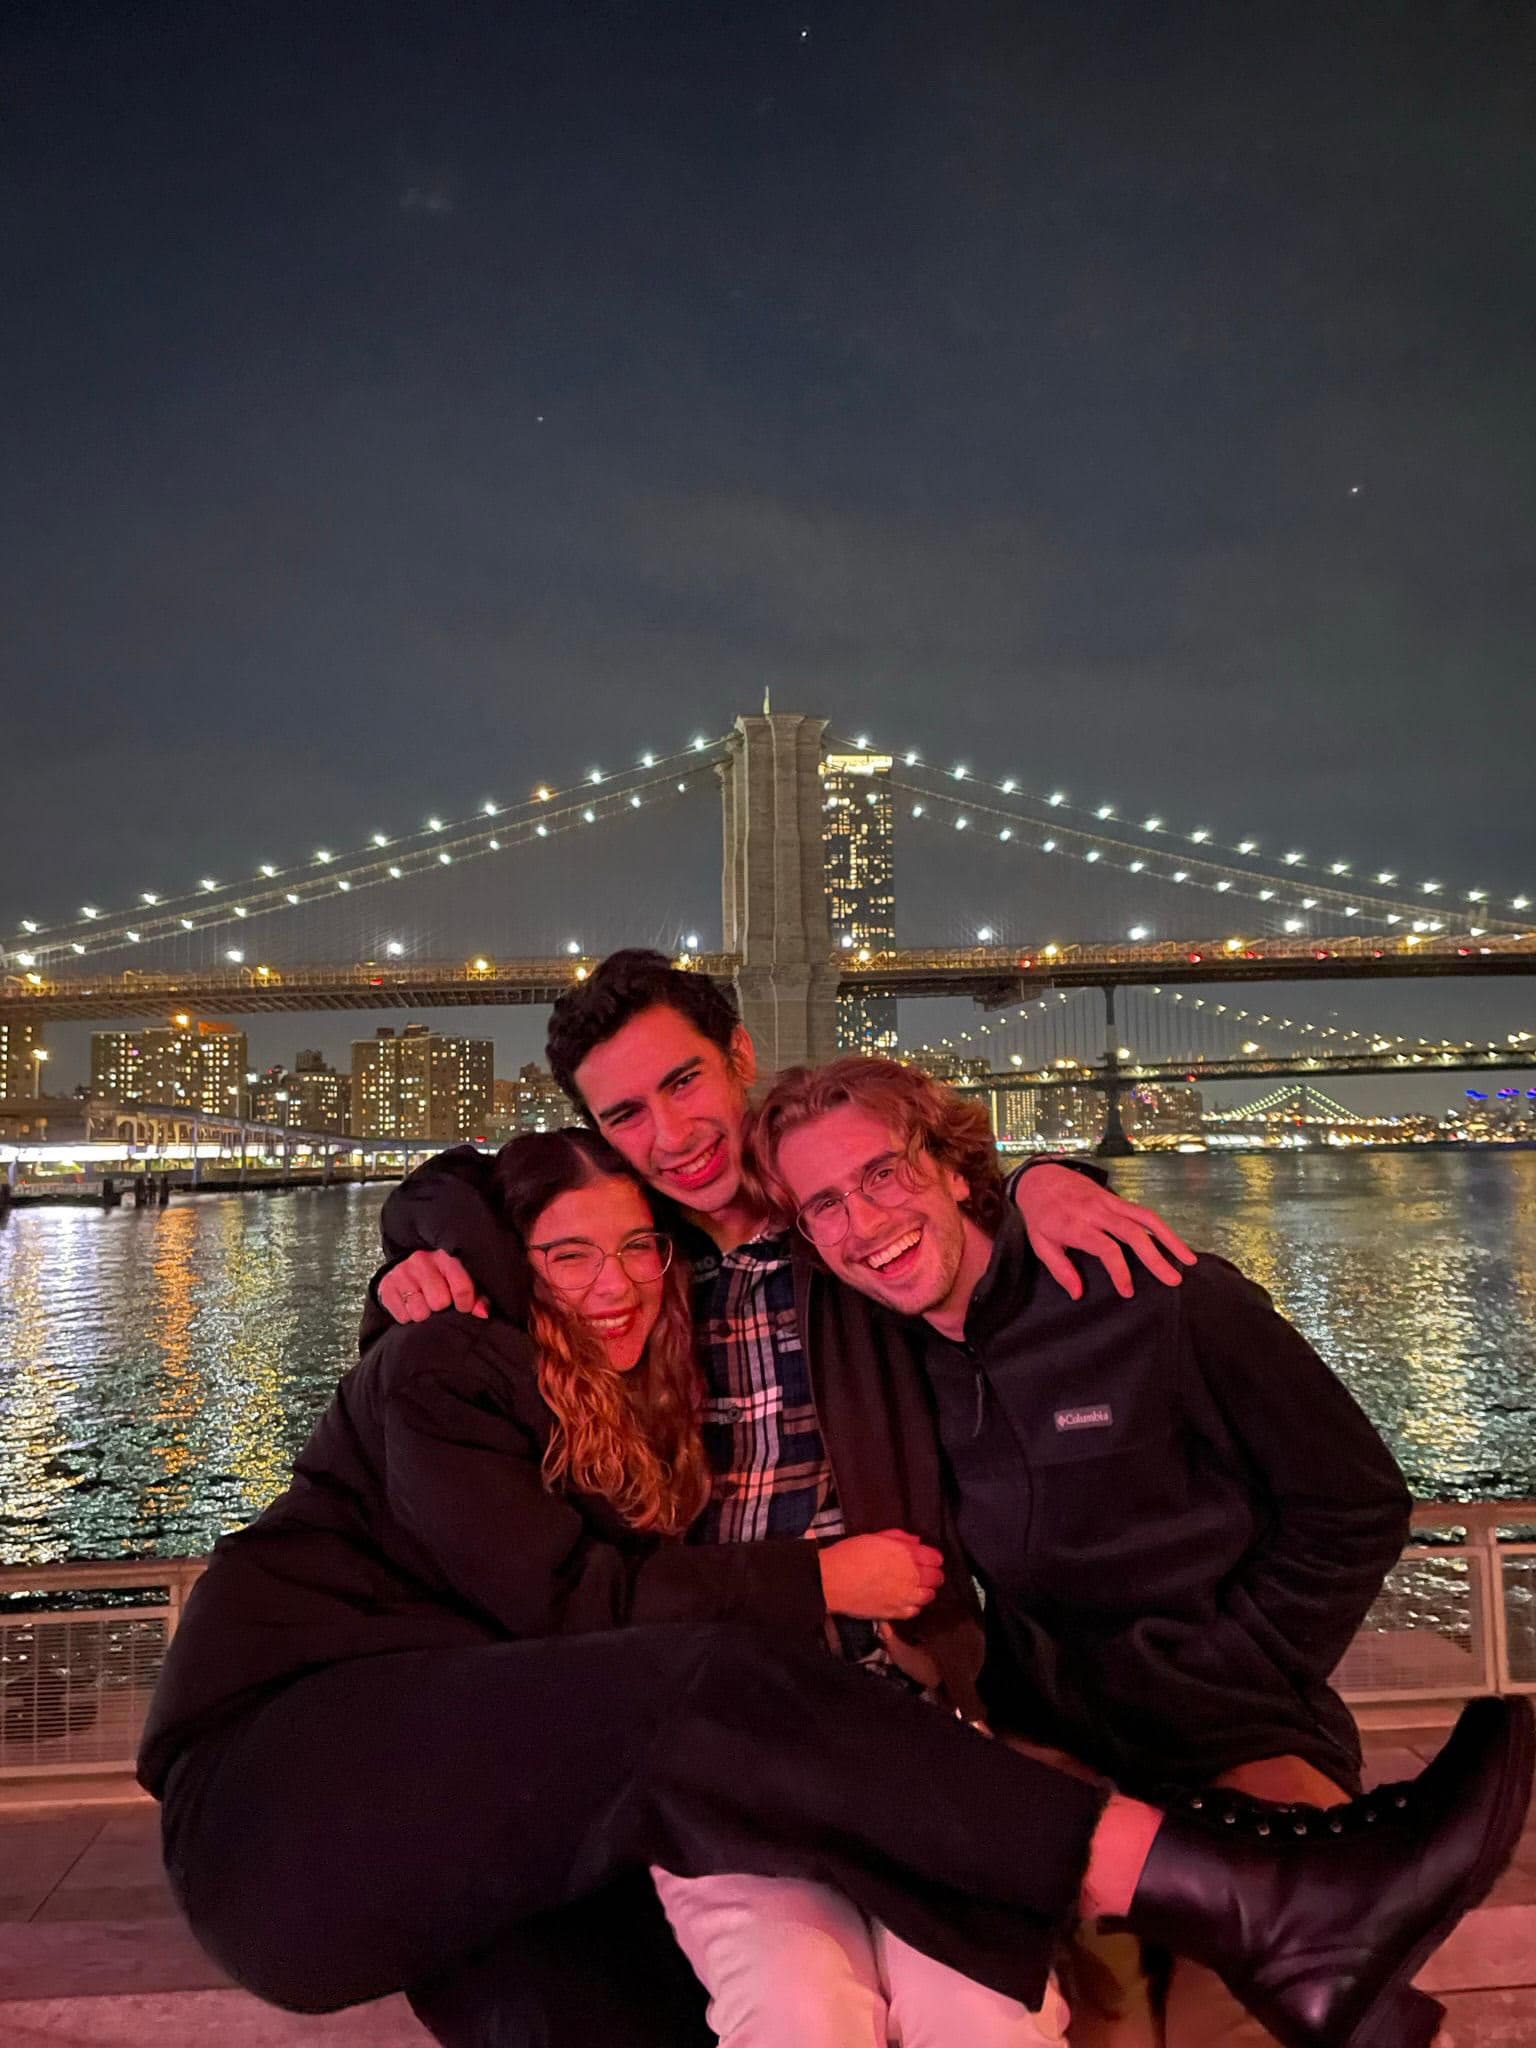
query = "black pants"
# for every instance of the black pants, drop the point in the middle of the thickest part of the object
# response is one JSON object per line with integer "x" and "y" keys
{"x": 605, "y": 1972}
{"x": 387, "y": 1821}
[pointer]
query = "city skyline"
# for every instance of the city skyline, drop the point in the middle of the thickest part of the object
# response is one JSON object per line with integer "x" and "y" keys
{"x": 1318, "y": 1027}
{"x": 188, "y": 1065}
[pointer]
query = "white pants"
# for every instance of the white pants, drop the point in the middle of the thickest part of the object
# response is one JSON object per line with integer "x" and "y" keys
{"x": 790, "y": 1964}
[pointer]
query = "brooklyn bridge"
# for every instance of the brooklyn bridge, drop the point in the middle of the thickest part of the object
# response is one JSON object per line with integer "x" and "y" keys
{"x": 1183, "y": 927}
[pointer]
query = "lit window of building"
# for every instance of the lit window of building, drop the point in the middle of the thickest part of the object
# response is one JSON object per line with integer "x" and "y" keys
{"x": 22, "y": 1057}
{"x": 857, "y": 840}
{"x": 197, "y": 1066}
{"x": 418, "y": 1083}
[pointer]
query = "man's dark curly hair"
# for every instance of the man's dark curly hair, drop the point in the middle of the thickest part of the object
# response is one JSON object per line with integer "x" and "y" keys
{"x": 590, "y": 1012}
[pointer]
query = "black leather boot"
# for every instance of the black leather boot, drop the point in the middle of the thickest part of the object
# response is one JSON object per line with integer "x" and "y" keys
{"x": 1316, "y": 1918}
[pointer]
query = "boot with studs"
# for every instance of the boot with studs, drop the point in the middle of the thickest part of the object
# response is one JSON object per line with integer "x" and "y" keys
{"x": 1316, "y": 1918}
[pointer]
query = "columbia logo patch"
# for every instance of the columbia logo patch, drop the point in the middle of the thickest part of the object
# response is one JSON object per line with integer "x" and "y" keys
{"x": 1085, "y": 1418}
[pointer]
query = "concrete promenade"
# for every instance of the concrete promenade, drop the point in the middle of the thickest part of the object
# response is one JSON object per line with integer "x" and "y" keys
{"x": 92, "y": 1954}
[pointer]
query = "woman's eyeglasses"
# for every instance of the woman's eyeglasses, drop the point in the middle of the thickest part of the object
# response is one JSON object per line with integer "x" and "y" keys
{"x": 573, "y": 1264}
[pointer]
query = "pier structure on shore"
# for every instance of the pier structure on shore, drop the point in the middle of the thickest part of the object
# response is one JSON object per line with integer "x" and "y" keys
{"x": 150, "y": 1150}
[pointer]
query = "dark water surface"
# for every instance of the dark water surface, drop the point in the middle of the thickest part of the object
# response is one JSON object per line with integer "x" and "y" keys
{"x": 159, "y": 1368}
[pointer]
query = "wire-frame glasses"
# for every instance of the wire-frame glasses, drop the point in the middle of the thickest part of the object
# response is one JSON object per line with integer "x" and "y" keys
{"x": 885, "y": 1182}
{"x": 573, "y": 1264}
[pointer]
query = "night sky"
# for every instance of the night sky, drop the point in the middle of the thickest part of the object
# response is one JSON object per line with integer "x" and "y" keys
{"x": 406, "y": 403}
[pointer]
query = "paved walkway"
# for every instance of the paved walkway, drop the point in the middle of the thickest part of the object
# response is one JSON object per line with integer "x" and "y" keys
{"x": 92, "y": 1954}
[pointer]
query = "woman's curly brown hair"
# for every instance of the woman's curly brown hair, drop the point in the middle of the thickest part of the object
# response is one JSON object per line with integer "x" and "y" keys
{"x": 631, "y": 1437}
{"x": 935, "y": 1125}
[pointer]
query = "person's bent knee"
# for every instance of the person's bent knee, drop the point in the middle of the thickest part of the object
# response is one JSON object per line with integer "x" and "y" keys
{"x": 796, "y": 1985}
{"x": 783, "y": 1960}
{"x": 282, "y": 1967}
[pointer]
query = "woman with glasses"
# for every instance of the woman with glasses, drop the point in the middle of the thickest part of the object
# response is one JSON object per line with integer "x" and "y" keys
{"x": 523, "y": 1472}
{"x": 462, "y": 1675}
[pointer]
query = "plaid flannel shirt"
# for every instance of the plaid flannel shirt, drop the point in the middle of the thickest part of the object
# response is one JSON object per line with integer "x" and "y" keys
{"x": 772, "y": 1473}
{"x": 773, "y": 1476}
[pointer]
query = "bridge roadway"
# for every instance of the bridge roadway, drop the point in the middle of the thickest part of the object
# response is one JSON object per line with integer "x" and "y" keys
{"x": 996, "y": 976}
{"x": 993, "y": 976}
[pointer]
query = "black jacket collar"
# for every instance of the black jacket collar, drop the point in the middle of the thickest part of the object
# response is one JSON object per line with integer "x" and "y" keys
{"x": 1008, "y": 1284}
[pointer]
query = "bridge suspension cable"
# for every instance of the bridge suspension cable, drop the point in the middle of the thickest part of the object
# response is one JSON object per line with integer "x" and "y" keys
{"x": 1031, "y": 834}
{"x": 492, "y": 829}
{"x": 1000, "y": 809}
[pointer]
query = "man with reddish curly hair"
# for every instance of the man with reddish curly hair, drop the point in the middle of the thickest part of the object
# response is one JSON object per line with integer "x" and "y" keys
{"x": 1176, "y": 1513}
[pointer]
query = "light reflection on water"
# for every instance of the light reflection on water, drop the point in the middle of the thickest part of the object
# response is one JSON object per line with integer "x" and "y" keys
{"x": 1413, "y": 1273}
{"x": 161, "y": 1367}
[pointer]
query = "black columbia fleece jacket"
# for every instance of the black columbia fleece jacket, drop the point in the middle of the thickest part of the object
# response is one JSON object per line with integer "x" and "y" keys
{"x": 1178, "y": 1515}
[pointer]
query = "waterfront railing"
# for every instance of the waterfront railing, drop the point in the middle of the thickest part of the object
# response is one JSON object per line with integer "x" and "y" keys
{"x": 81, "y": 1645}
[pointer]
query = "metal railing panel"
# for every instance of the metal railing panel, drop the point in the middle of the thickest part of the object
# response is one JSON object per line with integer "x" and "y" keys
{"x": 75, "y": 1688}
{"x": 1427, "y": 1636}
{"x": 77, "y": 1671}
{"x": 1518, "y": 1612}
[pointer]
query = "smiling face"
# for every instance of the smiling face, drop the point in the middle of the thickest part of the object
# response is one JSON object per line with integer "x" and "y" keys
{"x": 922, "y": 1257}
{"x": 619, "y": 1311}
{"x": 673, "y": 1103}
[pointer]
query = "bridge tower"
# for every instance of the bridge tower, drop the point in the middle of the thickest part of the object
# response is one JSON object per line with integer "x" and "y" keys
{"x": 1114, "y": 1144}
{"x": 773, "y": 888}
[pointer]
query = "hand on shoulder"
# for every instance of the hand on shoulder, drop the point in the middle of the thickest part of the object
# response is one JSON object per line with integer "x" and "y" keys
{"x": 428, "y": 1283}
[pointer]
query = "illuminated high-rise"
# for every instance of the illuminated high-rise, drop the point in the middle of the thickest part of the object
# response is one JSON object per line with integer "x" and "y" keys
{"x": 117, "y": 1065}
{"x": 310, "y": 1096}
{"x": 418, "y": 1084}
{"x": 533, "y": 1101}
{"x": 22, "y": 1054}
{"x": 856, "y": 835}
{"x": 182, "y": 1065}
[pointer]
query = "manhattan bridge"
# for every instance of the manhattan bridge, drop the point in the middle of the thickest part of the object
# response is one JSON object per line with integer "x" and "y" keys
{"x": 1118, "y": 949}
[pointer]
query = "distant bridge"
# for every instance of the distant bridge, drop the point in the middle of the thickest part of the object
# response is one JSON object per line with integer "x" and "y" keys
{"x": 1131, "y": 1074}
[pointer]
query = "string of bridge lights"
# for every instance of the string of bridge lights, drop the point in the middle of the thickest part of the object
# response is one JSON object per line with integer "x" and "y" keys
{"x": 1278, "y": 1098}
{"x": 1042, "y": 1005}
{"x": 1202, "y": 867}
{"x": 1184, "y": 869}
{"x": 1360, "y": 1041}
{"x": 387, "y": 857}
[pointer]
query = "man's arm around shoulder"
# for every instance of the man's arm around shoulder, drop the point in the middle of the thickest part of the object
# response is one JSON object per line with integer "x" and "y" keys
{"x": 444, "y": 1202}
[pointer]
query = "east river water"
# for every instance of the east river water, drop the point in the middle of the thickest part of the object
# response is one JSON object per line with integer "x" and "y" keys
{"x": 159, "y": 1368}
